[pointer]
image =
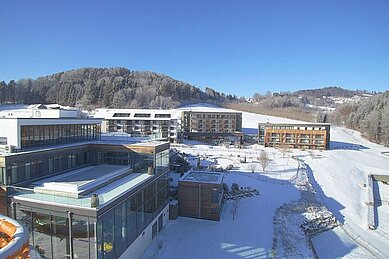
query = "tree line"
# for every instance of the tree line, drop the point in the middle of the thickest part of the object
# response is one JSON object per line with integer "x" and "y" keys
{"x": 107, "y": 87}
{"x": 369, "y": 116}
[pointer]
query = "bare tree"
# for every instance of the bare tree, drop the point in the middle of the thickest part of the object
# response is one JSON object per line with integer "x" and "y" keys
{"x": 234, "y": 208}
{"x": 264, "y": 159}
{"x": 284, "y": 149}
{"x": 252, "y": 167}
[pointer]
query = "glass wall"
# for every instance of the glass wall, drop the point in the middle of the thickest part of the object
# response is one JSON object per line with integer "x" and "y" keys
{"x": 140, "y": 162}
{"x": 49, "y": 233}
{"x": 27, "y": 170}
{"x": 162, "y": 160}
{"x": 2, "y": 175}
{"x": 41, "y": 135}
{"x": 120, "y": 226}
{"x": 114, "y": 158}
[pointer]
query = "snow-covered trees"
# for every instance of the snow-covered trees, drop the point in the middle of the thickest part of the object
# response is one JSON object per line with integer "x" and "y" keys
{"x": 370, "y": 116}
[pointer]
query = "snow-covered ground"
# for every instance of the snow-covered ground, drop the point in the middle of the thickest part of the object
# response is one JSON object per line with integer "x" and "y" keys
{"x": 249, "y": 235}
{"x": 337, "y": 175}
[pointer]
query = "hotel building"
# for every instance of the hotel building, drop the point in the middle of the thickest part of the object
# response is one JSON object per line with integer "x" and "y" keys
{"x": 293, "y": 135}
{"x": 79, "y": 195}
{"x": 156, "y": 124}
{"x": 212, "y": 126}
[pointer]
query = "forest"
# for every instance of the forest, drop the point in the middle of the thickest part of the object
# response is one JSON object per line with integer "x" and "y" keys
{"x": 369, "y": 116}
{"x": 89, "y": 88}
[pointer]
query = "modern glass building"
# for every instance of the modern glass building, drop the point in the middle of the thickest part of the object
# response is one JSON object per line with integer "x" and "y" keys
{"x": 61, "y": 210}
{"x": 81, "y": 196}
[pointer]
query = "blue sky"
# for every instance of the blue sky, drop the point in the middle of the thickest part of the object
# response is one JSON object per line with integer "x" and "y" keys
{"x": 238, "y": 47}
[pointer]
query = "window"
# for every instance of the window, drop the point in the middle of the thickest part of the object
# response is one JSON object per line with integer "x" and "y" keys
{"x": 162, "y": 115}
{"x": 3, "y": 140}
{"x": 154, "y": 230}
{"x": 121, "y": 115}
{"x": 142, "y": 115}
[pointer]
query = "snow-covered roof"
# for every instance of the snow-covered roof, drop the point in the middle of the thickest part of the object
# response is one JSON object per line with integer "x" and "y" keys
{"x": 38, "y": 111}
{"x": 135, "y": 114}
{"x": 202, "y": 177}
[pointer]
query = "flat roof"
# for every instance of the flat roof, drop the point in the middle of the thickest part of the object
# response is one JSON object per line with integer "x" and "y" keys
{"x": 107, "y": 181}
{"x": 81, "y": 180}
{"x": 202, "y": 177}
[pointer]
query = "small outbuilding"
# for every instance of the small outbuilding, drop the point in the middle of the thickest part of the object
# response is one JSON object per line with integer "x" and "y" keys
{"x": 200, "y": 195}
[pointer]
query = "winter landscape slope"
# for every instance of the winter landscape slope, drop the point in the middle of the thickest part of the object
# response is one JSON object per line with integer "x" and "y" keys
{"x": 338, "y": 175}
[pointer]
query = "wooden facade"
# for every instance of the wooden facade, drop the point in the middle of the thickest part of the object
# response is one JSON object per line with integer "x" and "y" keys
{"x": 200, "y": 199}
{"x": 303, "y": 136}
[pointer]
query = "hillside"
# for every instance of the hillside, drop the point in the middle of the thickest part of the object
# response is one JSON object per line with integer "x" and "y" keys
{"x": 369, "y": 116}
{"x": 106, "y": 87}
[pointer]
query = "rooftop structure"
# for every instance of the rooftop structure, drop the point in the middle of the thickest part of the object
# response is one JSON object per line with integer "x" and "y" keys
{"x": 39, "y": 125}
{"x": 202, "y": 177}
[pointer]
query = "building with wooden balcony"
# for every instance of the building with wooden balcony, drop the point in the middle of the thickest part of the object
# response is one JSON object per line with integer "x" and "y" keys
{"x": 294, "y": 135}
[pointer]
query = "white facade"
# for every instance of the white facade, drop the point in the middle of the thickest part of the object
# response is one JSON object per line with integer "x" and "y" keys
{"x": 140, "y": 122}
{"x": 10, "y": 128}
{"x": 40, "y": 111}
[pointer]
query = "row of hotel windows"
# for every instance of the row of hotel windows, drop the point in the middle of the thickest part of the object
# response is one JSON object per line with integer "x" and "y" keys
{"x": 292, "y": 141}
{"x": 143, "y": 128}
{"x": 213, "y": 121}
{"x": 143, "y": 122}
{"x": 116, "y": 229}
{"x": 316, "y": 136}
{"x": 142, "y": 115}
{"x": 38, "y": 135}
{"x": 24, "y": 171}
{"x": 293, "y": 127}
{"x": 215, "y": 116}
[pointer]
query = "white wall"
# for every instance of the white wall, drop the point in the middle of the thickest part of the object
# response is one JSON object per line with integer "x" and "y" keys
{"x": 9, "y": 129}
{"x": 138, "y": 247}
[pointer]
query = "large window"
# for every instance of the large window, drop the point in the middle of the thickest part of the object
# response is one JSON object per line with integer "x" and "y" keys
{"x": 162, "y": 160}
{"x": 49, "y": 233}
{"x": 39, "y": 135}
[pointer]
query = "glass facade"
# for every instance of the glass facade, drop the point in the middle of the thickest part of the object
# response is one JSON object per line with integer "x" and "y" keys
{"x": 120, "y": 226}
{"x": 41, "y": 135}
{"x": 2, "y": 176}
{"x": 162, "y": 160}
{"x": 26, "y": 170}
{"x": 108, "y": 236}
{"x": 49, "y": 233}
